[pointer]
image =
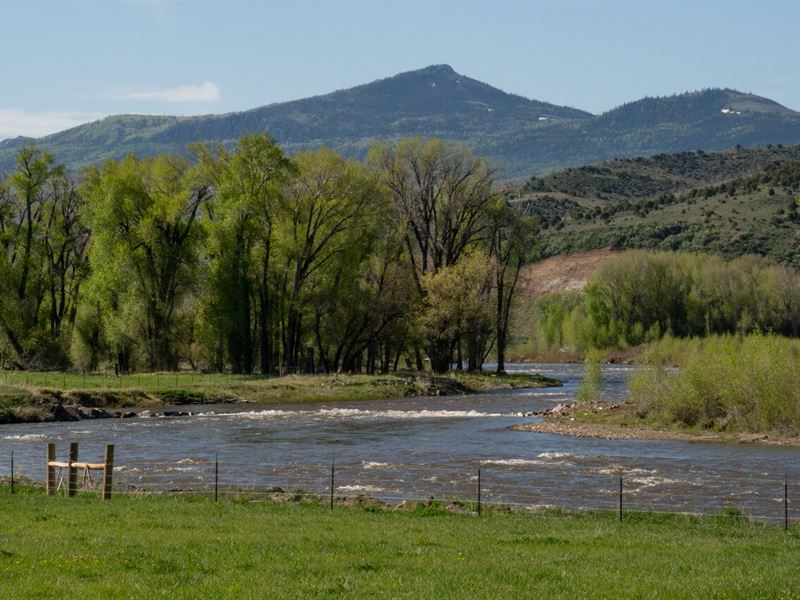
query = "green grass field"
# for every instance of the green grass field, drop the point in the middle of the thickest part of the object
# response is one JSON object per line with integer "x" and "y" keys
{"x": 192, "y": 547}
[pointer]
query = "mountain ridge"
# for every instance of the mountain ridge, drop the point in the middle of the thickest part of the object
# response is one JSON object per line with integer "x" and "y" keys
{"x": 524, "y": 136}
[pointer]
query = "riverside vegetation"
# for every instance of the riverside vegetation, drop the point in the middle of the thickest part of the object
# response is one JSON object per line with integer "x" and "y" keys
{"x": 46, "y": 396}
{"x": 640, "y": 297}
{"x": 249, "y": 261}
{"x": 729, "y": 325}
{"x": 289, "y": 549}
{"x": 728, "y": 388}
{"x": 725, "y": 383}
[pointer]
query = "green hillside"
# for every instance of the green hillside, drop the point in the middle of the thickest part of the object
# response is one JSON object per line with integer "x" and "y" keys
{"x": 731, "y": 203}
{"x": 521, "y": 136}
{"x": 431, "y": 102}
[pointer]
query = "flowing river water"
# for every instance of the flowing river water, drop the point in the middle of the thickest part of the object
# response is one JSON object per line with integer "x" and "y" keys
{"x": 421, "y": 447}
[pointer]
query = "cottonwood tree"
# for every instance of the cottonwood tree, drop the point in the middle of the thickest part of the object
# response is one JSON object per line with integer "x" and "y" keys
{"x": 248, "y": 184}
{"x": 364, "y": 301}
{"x": 246, "y": 259}
{"x": 326, "y": 211}
{"x": 511, "y": 240}
{"x": 42, "y": 262}
{"x": 440, "y": 194}
{"x": 454, "y": 307}
{"x": 147, "y": 236}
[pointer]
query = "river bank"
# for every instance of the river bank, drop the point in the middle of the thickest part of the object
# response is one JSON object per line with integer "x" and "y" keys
{"x": 619, "y": 421}
{"x": 42, "y": 397}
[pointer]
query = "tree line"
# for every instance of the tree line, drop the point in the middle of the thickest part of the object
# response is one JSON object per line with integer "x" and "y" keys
{"x": 642, "y": 296}
{"x": 248, "y": 260}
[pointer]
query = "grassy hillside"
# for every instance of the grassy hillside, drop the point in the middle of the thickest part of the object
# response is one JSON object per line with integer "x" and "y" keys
{"x": 191, "y": 547}
{"x": 731, "y": 203}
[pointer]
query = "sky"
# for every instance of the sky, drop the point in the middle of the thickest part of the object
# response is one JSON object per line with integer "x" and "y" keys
{"x": 64, "y": 63}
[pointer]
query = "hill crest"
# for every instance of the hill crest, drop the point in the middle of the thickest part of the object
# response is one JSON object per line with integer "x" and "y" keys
{"x": 521, "y": 135}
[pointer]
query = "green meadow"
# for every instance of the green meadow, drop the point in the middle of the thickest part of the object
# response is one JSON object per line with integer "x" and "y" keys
{"x": 193, "y": 547}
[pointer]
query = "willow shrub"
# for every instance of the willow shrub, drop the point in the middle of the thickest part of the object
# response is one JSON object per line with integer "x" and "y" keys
{"x": 592, "y": 383}
{"x": 744, "y": 383}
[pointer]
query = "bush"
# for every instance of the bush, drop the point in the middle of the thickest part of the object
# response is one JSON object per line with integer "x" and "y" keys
{"x": 744, "y": 383}
{"x": 592, "y": 382}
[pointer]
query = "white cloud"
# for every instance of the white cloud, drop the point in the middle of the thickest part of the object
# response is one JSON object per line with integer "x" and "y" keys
{"x": 15, "y": 122}
{"x": 205, "y": 92}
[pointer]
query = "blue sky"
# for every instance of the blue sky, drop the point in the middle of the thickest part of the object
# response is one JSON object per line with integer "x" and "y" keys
{"x": 64, "y": 63}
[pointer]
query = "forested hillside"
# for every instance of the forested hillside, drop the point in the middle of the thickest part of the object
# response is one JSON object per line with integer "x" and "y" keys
{"x": 521, "y": 136}
{"x": 743, "y": 201}
{"x": 431, "y": 102}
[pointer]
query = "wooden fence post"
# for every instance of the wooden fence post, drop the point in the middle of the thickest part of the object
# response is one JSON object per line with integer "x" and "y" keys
{"x": 50, "y": 486}
{"x": 479, "y": 491}
{"x": 333, "y": 471}
{"x": 108, "y": 471}
{"x": 73, "y": 470}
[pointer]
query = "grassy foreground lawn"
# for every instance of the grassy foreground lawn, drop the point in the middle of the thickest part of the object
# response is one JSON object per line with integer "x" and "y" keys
{"x": 173, "y": 547}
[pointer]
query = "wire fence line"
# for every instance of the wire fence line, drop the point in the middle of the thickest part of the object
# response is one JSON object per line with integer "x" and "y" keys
{"x": 468, "y": 486}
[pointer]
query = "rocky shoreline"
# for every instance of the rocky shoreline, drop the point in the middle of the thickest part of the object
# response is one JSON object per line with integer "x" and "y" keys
{"x": 76, "y": 413}
{"x": 58, "y": 412}
{"x": 53, "y": 405}
{"x": 586, "y": 421}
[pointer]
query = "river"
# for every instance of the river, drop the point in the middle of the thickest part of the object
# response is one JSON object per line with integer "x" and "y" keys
{"x": 421, "y": 447}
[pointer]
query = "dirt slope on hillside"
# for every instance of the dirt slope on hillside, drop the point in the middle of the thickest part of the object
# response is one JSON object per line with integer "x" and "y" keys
{"x": 564, "y": 272}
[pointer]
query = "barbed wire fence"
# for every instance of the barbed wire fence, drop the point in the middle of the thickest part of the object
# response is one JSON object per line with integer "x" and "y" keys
{"x": 469, "y": 487}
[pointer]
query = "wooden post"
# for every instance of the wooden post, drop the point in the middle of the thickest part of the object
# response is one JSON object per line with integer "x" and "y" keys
{"x": 50, "y": 486}
{"x": 73, "y": 471}
{"x": 479, "y": 492}
{"x": 108, "y": 471}
{"x": 785, "y": 502}
{"x": 333, "y": 471}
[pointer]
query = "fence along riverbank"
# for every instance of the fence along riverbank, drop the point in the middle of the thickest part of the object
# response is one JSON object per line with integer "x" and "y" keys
{"x": 467, "y": 487}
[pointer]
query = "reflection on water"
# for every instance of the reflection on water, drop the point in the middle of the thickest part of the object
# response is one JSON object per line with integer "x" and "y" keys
{"x": 420, "y": 447}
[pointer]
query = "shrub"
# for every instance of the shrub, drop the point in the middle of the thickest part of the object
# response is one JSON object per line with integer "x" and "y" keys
{"x": 745, "y": 383}
{"x": 592, "y": 382}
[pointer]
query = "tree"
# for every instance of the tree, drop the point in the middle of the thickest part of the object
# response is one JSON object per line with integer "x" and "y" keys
{"x": 454, "y": 307}
{"x": 512, "y": 236}
{"x": 145, "y": 219}
{"x": 325, "y": 212}
{"x": 42, "y": 262}
{"x": 248, "y": 185}
{"x": 363, "y": 302}
{"x": 591, "y": 385}
{"x": 440, "y": 194}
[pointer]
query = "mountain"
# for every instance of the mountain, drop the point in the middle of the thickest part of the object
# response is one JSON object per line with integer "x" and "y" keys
{"x": 715, "y": 119}
{"x": 434, "y": 101}
{"x": 522, "y": 136}
{"x": 744, "y": 201}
